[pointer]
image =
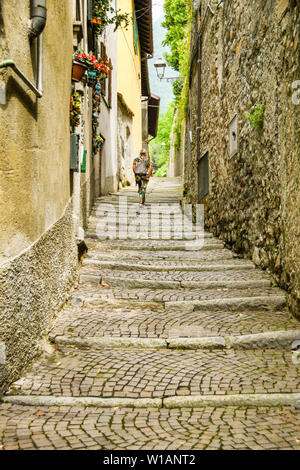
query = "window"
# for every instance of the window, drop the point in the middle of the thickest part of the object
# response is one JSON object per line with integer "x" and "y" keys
{"x": 135, "y": 34}
{"x": 90, "y": 6}
{"x": 103, "y": 80}
{"x": 106, "y": 83}
{"x": 203, "y": 177}
{"x": 77, "y": 11}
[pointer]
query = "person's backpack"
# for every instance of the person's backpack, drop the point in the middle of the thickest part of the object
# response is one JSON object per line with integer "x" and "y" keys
{"x": 142, "y": 168}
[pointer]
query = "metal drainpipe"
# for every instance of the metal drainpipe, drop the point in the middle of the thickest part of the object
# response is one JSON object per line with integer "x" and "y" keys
{"x": 38, "y": 17}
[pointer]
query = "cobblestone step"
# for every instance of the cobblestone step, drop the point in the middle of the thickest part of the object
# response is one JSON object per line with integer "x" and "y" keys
{"x": 115, "y": 280}
{"x": 165, "y": 258}
{"x": 150, "y": 235}
{"x": 148, "y": 373}
{"x": 146, "y": 321}
{"x": 156, "y": 245}
{"x": 190, "y": 299}
{"x": 189, "y": 245}
{"x": 153, "y": 221}
{"x": 95, "y": 428}
{"x": 114, "y": 214}
{"x": 133, "y": 202}
{"x": 180, "y": 276}
{"x": 153, "y": 232}
{"x": 284, "y": 340}
{"x": 197, "y": 401}
{"x": 132, "y": 265}
{"x": 234, "y": 304}
{"x": 134, "y": 210}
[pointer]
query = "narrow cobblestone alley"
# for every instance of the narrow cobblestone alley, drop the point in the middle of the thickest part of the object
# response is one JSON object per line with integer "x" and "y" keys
{"x": 160, "y": 347}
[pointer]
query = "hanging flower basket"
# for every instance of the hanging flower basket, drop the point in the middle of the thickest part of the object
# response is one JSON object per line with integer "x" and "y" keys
{"x": 99, "y": 68}
{"x": 78, "y": 71}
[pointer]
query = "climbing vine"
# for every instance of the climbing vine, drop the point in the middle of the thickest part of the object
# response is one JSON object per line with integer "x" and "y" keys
{"x": 182, "y": 97}
{"x": 177, "y": 19}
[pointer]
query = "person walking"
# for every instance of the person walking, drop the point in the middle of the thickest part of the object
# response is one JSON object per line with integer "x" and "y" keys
{"x": 142, "y": 169}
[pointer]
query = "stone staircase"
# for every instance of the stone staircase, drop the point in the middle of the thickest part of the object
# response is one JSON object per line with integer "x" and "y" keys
{"x": 155, "y": 327}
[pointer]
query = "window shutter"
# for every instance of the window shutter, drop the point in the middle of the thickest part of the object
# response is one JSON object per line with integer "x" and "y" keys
{"x": 90, "y": 7}
{"x": 74, "y": 146}
{"x": 203, "y": 177}
{"x": 109, "y": 90}
{"x": 103, "y": 80}
{"x": 135, "y": 34}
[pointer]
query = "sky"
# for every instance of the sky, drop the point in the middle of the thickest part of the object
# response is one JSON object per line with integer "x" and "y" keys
{"x": 162, "y": 88}
{"x": 157, "y": 9}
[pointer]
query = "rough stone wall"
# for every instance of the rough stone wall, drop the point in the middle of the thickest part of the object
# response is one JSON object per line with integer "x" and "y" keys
{"x": 176, "y": 160}
{"x": 250, "y": 56}
{"x": 33, "y": 287}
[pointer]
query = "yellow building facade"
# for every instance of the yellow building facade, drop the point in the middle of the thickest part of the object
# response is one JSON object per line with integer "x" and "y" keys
{"x": 129, "y": 73}
{"x": 135, "y": 46}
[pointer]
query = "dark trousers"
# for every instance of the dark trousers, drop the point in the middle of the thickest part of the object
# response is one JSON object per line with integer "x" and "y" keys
{"x": 142, "y": 184}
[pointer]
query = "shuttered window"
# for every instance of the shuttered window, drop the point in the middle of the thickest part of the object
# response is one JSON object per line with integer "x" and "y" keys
{"x": 90, "y": 6}
{"x": 203, "y": 177}
{"x": 103, "y": 80}
{"x": 135, "y": 34}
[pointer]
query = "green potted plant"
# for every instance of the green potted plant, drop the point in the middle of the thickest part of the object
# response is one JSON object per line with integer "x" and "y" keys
{"x": 104, "y": 14}
{"x": 82, "y": 62}
{"x": 103, "y": 67}
{"x": 80, "y": 65}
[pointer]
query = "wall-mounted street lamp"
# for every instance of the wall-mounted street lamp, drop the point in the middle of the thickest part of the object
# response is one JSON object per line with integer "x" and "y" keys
{"x": 160, "y": 67}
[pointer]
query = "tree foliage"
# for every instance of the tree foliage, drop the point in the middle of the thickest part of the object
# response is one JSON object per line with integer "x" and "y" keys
{"x": 175, "y": 21}
{"x": 178, "y": 15}
{"x": 160, "y": 146}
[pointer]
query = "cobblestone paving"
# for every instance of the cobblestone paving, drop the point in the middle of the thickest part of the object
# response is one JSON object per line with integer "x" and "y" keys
{"x": 182, "y": 276}
{"x": 147, "y": 323}
{"x": 176, "y": 255}
{"x": 133, "y": 261}
{"x": 154, "y": 374}
{"x": 97, "y": 309}
{"x": 170, "y": 295}
{"x": 94, "y": 428}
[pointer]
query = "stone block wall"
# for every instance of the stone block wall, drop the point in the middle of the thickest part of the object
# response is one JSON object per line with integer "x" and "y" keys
{"x": 250, "y": 56}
